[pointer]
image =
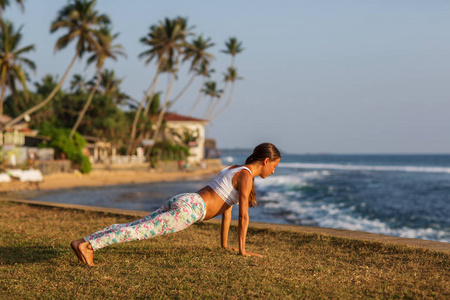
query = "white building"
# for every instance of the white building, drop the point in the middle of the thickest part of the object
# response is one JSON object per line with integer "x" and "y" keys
{"x": 183, "y": 128}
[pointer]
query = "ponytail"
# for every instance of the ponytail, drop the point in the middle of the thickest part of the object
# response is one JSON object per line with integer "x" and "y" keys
{"x": 261, "y": 152}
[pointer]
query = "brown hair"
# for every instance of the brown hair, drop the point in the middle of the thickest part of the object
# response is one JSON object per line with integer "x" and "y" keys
{"x": 260, "y": 153}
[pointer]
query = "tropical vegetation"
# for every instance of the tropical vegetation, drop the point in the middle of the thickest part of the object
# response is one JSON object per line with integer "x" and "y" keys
{"x": 12, "y": 60}
{"x": 97, "y": 106}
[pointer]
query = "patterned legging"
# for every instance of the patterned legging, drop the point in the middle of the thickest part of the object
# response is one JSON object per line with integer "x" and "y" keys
{"x": 178, "y": 213}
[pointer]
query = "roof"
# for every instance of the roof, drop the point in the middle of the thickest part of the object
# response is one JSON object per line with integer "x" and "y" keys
{"x": 5, "y": 119}
{"x": 21, "y": 126}
{"x": 172, "y": 117}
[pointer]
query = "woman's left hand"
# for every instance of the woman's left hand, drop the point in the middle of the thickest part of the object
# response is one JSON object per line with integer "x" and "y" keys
{"x": 246, "y": 252}
{"x": 252, "y": 254}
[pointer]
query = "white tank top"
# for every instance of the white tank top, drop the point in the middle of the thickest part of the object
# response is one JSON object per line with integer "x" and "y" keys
{"x": 223, "y": 185}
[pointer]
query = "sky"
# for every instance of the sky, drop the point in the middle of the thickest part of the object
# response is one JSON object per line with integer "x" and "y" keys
{"x": 320, "y": 76}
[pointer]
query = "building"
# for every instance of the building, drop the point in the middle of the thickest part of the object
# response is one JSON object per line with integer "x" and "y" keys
{"x": 19, "y": 148}
{"x": 98, "y": 150}
{"x": 187, "y": 130}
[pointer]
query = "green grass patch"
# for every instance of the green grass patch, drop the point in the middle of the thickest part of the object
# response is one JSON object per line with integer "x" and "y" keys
{"x": 36, "y": 261}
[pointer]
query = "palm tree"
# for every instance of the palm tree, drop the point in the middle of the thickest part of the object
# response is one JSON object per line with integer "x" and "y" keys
{"x": 110, "y": 86}
{"x": 106, "y": 50}
{"x": 156, "y": 51}
{"x": 78, "y": 84}
{"x": 232, "y": 47}
{"x": 174, "y": 40}
{"x": 196, "y": 52}
{"x": 205, "y": 73}
{"x": 231, "y": 76}
{"x": 82, "y": 22}
{"x": 5, "y": 3}
{"x": 48, "y": 84}
{"x": 166, "y": 40}
{"x": 11, "y": 60}
{"x": 211, "y": 91}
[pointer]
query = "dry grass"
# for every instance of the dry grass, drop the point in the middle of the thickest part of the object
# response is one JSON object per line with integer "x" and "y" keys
{"x": 36, "y": 261}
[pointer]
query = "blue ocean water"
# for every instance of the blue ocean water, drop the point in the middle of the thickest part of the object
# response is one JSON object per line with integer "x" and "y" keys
{"x": 399, "y": 195}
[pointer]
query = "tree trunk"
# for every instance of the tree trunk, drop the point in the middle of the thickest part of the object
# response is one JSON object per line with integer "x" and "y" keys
{"x": 217, "y": 102}
{"x": 226, "y": 104}
{"x": 198, "y": 98}
{"x": 2, "y": 96}
{"x": 86, "y": 105}
{"x": 205, "y": 115}
{"x": 223, "y": 92}
{"x": 166, "y": 100}
{"x": 163, "y": 110}
{"x": 138, "y": 112}
{"x": 149, "y": 103}
{"x": 174, "y": 100}
{"x": 49, "y": 97}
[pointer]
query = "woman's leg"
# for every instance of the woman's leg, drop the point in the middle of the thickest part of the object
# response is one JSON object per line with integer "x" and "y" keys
{"x": 115, "y": 227}
{"x": 178, "y": 213}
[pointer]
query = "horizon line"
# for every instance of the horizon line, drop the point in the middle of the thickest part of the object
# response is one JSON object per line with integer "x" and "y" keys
{"x": 343, "y": 153}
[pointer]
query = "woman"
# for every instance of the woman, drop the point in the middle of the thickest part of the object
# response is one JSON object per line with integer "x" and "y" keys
{"x": 233, "y": 185}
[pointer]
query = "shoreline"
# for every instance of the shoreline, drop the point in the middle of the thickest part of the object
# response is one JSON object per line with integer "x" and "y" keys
{"x": 100, "y": 177}
{"x": 11, "y": 191}
{"x": 334, "y": 232}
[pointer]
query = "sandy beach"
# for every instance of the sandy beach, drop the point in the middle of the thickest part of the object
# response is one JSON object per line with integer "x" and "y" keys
{"x": 104, "y": 177}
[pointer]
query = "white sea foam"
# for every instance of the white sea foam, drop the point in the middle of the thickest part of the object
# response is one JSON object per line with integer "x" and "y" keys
{"x": 338, "y": 216}
{"x": 282, "y": 196}
{"x": 365, "y": 167}
{"x": 229, "y": 159}
{"x": 289, "y": 182}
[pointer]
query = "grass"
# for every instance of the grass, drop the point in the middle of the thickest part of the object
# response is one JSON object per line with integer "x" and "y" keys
{"x": 36, "y": 261}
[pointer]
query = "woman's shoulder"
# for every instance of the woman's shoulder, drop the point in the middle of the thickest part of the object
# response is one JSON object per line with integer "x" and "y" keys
{"x": 233, "y": 167}
{"x": 241, "y": 171}
{"x": 239, "y": 168}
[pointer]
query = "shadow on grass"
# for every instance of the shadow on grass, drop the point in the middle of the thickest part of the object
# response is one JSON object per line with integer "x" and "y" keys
{"x": 27, "y": 254}
{"x": 162, "y": 251}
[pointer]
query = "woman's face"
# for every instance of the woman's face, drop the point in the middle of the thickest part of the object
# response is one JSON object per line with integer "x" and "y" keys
{"x": 269, "y": 167}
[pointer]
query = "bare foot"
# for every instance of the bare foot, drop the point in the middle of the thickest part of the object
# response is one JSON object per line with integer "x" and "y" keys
{"x": 84, "y": 251}
{"x": 74, "y": 246}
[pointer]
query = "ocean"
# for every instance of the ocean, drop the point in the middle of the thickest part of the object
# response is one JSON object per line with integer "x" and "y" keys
{"x": 398, "y": 195}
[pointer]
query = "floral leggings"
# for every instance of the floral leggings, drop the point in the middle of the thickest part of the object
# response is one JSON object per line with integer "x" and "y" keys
{"x": 178, "y": 213}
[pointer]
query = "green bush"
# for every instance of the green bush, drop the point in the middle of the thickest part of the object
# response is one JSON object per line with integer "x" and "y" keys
{"x": 72, "y": 148}
{"x": 85, "y": 165}
{"x": 166, "y": 150}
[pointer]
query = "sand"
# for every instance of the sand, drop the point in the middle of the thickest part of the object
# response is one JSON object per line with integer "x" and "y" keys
{"x": 103, "y": 178}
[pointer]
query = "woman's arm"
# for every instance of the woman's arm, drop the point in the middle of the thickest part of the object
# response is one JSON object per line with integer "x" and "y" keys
{"x": 226, "y": 220}
{"x": 245, "y": 187}
{"x": 243, "y": 223}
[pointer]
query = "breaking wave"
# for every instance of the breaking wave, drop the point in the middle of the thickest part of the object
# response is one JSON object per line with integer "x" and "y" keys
{"x": 365, "y": 167}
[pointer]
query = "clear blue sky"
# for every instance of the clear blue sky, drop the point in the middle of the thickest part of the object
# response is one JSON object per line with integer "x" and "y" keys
{"x": 320, "y": 76}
